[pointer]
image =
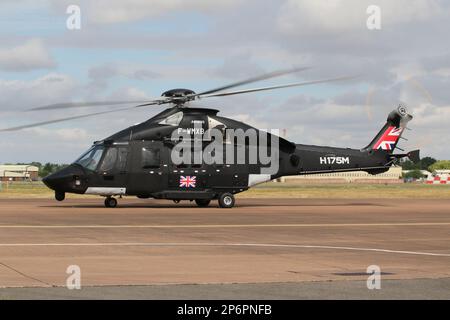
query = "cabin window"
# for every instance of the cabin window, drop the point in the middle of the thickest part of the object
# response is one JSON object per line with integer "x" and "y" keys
{"x": 122, "y": 154}
{"x": 173, "y": 120}
{"x": 150, "y": 158}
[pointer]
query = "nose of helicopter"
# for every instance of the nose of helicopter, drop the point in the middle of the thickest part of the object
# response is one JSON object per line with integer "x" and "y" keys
{"x": 55, "y": 180}
{"x": 65, "y": 180}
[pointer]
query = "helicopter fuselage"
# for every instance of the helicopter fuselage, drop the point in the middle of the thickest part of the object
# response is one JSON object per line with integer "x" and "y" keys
{"x": 139, "y": 161}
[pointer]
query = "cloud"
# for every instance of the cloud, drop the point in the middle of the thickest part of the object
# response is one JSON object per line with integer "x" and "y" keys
{"x": 60, "y": 142}
{"x": 335, "y": 16}
{"x": 28, "y": 56}
{"x": 141, "y": 48}
{"x": 118, "y": 11}
{"x": 111, "y": 70}
{"x": 44, "y": 145}
{"x": 101, "y": 76}
{"x": 76, "y": 135}
{"x": 128, "y": 93}
{"x": 25, "y": 94}
{"x": 238, "y": 66}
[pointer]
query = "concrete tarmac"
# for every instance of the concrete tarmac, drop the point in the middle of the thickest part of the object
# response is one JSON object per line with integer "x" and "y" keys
{"x": 277, "y": 248}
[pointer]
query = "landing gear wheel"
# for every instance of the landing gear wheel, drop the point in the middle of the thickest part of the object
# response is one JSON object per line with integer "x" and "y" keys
{"x": 110, "y": 202}
{"x": 226, "y": 200}
{"x": 202, "y": 202}
{"x": 176, "y": 201}
{"x": 60, "y": 196}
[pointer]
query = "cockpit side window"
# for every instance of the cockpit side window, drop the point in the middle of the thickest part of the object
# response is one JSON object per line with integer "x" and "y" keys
{"x": 91, "y": 158}
{"x": 115, "y": 159}
{"x": 173, "y": 120}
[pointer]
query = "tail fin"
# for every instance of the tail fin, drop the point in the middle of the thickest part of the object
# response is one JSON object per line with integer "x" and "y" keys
{"x": 391, "y": 132}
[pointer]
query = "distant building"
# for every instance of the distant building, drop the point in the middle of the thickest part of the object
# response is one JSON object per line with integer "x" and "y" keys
{"x": 439, "y": 177}
{"x": 442, "y": 171}
{"x": 425, "y": 174}
{"x": 18, "y": 173}
{"x": 393, "y": 175}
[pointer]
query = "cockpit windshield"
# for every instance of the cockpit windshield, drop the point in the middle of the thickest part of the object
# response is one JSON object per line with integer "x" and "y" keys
{"x": 91, "y": 158}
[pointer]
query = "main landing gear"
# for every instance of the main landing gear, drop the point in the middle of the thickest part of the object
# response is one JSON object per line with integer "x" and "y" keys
{"x": 226, "y": 200}
{"x": 202, "y": 202}
{"x": 110, "y": 202}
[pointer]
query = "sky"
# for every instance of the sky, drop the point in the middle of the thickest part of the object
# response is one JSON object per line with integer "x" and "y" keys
{"x": 137, "y": 49}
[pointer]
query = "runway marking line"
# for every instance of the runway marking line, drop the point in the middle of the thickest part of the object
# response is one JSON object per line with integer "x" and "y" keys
{"x": 394, "y": 224}
{"x": 156, "y": 244}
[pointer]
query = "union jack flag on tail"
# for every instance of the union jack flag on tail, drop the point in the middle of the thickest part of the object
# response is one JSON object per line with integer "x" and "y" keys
{"x": 389, "y": 139}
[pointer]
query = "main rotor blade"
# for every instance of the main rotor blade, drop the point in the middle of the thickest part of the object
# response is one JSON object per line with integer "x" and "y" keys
{"x": 84, "y": 104}
{"x": 296, "y": 84}
{"x": 37, "y": 124}
{"x": 254, "y": 79}
{"x": 158, "y": 102}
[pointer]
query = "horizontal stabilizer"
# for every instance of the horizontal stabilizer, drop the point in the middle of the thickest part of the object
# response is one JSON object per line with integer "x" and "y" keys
{"x": 414, "y": 156}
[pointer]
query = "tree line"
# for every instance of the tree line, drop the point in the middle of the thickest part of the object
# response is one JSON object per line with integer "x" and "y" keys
{"x": 427, "y": 163}
{"x": 44, "y": 168}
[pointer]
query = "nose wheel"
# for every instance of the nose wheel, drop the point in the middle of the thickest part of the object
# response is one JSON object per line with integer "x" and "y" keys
{"x": 60, "y": 196}
{"x": 110, "y": 202}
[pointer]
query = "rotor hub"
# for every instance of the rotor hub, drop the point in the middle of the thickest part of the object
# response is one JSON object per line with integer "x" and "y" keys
{"x": 177, "y": 93}
{"x": 179, "y": 96}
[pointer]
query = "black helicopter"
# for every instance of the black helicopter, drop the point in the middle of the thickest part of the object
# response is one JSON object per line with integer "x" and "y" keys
{"x": 138, "y": 161}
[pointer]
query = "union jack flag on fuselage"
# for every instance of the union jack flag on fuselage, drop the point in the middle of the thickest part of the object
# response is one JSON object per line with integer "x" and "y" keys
{"x": 187, "y": 181}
